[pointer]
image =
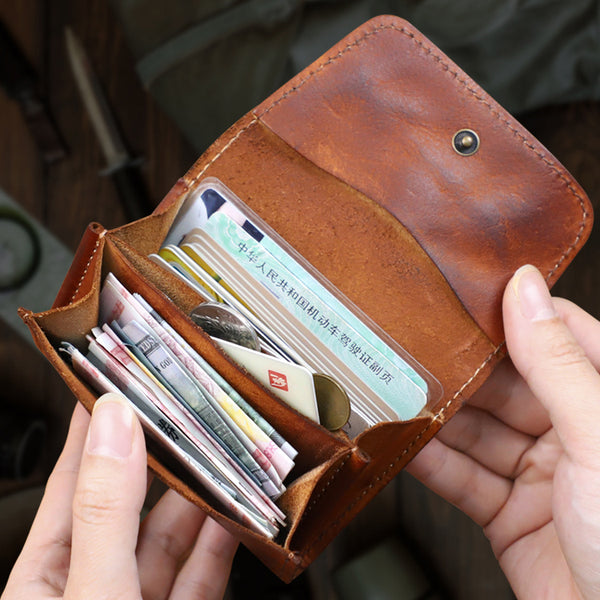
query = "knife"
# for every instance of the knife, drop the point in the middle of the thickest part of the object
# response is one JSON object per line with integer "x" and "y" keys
{"x": 120, "y": 166}
{"x": 19, "y": 80}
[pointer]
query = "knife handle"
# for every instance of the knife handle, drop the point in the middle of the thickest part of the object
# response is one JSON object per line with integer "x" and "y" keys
{"x": 42, "y": 127}
{"x": 132, "y": 192}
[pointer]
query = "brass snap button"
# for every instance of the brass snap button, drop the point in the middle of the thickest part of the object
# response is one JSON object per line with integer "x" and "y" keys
{"x": 465, "y": 142}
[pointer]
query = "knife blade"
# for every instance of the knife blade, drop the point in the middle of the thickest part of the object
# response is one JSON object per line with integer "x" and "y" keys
{"x": 119, "y": 163}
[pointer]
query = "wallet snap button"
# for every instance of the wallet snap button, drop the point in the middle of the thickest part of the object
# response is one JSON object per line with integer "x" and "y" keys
{"x": 465, "y": 142}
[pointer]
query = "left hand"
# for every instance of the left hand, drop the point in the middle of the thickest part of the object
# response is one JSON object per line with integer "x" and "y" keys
{"x": 86, "y": 540}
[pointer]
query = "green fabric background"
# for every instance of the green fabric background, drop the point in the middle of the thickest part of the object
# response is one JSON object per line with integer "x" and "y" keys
{"x": 207, "y": 62}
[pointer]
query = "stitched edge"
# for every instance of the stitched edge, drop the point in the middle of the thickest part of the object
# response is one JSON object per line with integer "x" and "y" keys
{"x": 254, "y": 121}
{"x": 496, "y": 114}
{"x": 437, "y": 418}
{"x": 333, "y": 475}
{"x": 458, "y": 75}
{"x": 87, "y": 266}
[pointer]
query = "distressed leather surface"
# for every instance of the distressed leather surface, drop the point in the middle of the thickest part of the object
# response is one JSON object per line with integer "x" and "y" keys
{"x": 385, "y": 126}
{"x": 352, "y": 164}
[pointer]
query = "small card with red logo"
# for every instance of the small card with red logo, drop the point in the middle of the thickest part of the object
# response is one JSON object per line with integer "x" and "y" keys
{"x": 292, "y": 383}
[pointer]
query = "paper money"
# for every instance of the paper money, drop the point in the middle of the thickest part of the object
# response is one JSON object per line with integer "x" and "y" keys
{"x": 254, "y": 415}
{"x": 147, "y": 395}
{"x": 168, "y": 435}
{"x": 175, "y": 380}
{"x": 116, "y": 302}
{"x": 185, "y": 405}
{"x": 269, "y": 452}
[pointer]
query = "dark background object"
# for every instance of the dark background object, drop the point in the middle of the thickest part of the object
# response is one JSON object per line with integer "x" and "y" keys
{"x": 16, "y": 513}
{"x": 19, "y": 250}
{"x": 69, "y": 194}
{"x": 22, "y": 440}
{"x": 387, "y": 570}
{"x": 19, "y": 80}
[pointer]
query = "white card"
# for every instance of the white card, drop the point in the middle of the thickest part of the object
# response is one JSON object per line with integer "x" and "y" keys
{"x": 291, "y": 383}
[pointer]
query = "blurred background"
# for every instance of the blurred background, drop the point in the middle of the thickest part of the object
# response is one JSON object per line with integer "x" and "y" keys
{"x": 175, "y": 76}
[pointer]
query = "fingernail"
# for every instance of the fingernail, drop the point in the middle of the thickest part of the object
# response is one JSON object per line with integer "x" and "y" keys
{"x": 532, "y": 293}
{"x": 111, "y": 429}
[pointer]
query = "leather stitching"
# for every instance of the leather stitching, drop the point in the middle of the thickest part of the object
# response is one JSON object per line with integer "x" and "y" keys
{"x": 227, "y": 145}
{"x": 316, "y": 499}
{"x": 439, "y": 417}
{"x": 87, "y": 266}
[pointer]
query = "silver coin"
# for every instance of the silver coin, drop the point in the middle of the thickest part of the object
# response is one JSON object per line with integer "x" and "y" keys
{"x": 226, "y": 323}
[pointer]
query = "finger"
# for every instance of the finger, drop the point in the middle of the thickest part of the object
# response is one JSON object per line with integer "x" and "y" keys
{"x": 530, "y": 504}
{"x": 553, "y": 364}
{"x": 108, "y": 499}
{"x": 166, "y": 536}
{"x": 584, "y": 327}
{"x": 487, "y": 440}
{"x": 461, "y": 480}
{"x": 46, "y": 553}
{"x": 206, "y": 571}
{"x": 507, "y": 397}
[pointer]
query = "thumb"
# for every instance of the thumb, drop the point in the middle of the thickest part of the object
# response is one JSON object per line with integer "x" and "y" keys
{"x": 553, "y": 364}
{"x": 106, "y": 508}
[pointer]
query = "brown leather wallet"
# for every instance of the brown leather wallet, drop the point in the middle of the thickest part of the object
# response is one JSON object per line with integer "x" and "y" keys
{"x": 358, "y": 163}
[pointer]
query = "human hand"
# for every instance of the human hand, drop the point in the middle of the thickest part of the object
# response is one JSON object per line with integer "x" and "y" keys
{"x": 86, "y": 540}
{"x": 522, "y": 458}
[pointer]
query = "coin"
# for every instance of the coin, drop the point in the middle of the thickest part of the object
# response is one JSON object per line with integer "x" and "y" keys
{"x": 225, "y": 323}
{"x": 332, "y": 401}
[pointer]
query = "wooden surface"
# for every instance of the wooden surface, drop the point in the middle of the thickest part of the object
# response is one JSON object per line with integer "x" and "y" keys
{"x": 69, "y": 194}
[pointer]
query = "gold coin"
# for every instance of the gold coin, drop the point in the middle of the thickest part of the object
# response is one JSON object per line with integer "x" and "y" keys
{"x": 332, "y": 401}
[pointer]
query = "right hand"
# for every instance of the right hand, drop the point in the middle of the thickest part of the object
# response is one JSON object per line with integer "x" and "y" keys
{"x": 522, "y": 458}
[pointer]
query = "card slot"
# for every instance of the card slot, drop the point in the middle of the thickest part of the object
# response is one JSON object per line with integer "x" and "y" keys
{"x": 365, "y": 364}
{"x": 174, "y": 301}
{"x": 315, "y": 445}
{"x": 306, "y": 343}
{"x": 359, "y": 247}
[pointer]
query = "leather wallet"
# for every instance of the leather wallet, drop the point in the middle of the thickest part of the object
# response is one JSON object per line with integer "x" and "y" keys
{"x": 399, "y": 179}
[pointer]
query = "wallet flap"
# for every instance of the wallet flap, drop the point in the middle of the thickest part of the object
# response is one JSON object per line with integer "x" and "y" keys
{"x": 380, "y": 111}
